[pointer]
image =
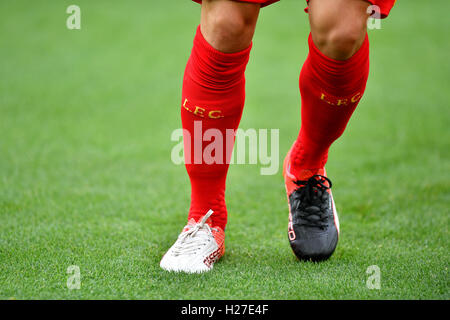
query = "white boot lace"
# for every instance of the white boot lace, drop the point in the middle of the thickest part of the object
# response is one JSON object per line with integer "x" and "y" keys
{"x": 195, "y": 238}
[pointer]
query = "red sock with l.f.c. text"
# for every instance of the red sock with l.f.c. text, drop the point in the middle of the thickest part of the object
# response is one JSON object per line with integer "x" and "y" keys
{"x": 212, "y": 101}
{"x": 330, "y": 91}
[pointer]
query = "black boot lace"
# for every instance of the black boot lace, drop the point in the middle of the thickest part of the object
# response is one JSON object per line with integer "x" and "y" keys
{"x": 310, "y": 201}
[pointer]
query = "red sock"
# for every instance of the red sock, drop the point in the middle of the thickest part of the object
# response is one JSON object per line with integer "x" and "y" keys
{"x": 330, "y": 91}
{"x": 212, "y": 98}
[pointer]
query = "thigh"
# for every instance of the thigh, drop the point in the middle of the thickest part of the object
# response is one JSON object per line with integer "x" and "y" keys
{"x": 328, "y": 14}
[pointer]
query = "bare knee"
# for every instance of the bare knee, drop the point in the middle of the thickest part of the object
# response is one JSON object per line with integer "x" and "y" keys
{"x": 338, "y": 27}
{"x": 340, "y": 43}
{"x": 228, "y": 25}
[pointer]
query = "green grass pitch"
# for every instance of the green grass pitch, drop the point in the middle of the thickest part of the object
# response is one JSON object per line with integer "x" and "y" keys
{"x": 86, "y": 177}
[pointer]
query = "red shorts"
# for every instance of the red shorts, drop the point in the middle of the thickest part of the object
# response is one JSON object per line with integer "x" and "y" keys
{"x": 385, "y": 5}
{"x": 262, "y": 2}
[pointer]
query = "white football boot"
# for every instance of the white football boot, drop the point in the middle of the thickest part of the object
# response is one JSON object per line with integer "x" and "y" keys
{"x": 198, "y": 246}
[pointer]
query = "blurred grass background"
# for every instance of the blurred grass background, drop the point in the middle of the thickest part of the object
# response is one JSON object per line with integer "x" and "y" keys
{"x": 86, "y": 177}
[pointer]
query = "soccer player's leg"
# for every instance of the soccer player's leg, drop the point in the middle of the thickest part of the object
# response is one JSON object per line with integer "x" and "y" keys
{"x": 211, "y": 106}
{"x": 332, "y": 82}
